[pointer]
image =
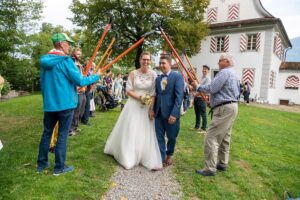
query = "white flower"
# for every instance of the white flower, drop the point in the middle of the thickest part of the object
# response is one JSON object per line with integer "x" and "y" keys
{"x": 164, "y": 84}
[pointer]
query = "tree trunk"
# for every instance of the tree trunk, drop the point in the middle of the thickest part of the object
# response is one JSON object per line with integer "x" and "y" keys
{"x": 139, "y": 51}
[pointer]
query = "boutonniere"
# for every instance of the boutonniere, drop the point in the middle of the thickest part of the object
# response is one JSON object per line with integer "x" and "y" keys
{"x": 164, "y": 83}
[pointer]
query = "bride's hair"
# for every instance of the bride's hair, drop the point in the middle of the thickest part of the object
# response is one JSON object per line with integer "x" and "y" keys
{"x": 145, "y": 53}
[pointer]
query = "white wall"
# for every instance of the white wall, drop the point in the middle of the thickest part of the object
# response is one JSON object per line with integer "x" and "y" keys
{"x": 248, "y": 59}
{"x": 273, "y": 94}
{"x": 247, "y": 9}
{"x": 287, "y": 94}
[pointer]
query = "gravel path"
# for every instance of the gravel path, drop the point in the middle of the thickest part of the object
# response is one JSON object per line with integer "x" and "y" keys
{"x": 140, "y": 183}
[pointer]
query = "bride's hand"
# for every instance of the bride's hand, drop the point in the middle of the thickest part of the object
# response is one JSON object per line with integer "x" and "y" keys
{"x": 151, "y": 114}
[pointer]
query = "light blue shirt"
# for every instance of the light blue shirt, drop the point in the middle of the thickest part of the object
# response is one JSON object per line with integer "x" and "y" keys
{"x": 224, "y": 87}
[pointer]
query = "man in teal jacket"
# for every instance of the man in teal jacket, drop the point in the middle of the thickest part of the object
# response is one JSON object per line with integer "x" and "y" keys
{"x": 59, "y": 78}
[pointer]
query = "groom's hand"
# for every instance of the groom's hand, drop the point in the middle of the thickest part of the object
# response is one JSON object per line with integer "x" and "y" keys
{"x": 171, "y": 119}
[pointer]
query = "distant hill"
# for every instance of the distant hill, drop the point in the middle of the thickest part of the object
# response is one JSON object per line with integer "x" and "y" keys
{"x": 293, "y": 55}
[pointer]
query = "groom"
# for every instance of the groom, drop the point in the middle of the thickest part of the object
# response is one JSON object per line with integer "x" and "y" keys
{"x": 169, "y": 88}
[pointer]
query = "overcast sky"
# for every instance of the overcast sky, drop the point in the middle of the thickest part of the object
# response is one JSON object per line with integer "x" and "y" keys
{"x": 57, "y": 12}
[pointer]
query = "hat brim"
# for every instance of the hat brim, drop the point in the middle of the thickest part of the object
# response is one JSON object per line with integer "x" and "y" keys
{"x": 71, "y": 42}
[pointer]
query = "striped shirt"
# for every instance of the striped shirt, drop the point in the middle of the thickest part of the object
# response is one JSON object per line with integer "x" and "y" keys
{"x": 224, "y": 87}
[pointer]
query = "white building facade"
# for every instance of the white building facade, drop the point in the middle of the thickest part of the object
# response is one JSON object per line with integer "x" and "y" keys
{"x": 256, "y": 39}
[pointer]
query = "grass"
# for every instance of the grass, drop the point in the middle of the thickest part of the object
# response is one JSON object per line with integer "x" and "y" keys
{"x": 20, "y": 132}
{"x": 264, "y": 159}
{"x": 265, "y": 156}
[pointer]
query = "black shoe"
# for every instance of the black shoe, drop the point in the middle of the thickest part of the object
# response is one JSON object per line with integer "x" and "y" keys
{"x": 205, "y": 172}
{"x": 221, "y": 167}
{"x": 86, "y": 124}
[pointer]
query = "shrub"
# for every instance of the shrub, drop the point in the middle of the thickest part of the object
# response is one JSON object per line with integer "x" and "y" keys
{"x": 6, "y": 88}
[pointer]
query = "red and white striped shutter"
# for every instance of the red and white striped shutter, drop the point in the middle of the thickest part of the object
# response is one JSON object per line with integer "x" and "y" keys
{"x": 243, "y": 42}
{"x": 278, "y": 46}
{"x": 226, "y": 43}
{"x": 233, "y": 11}
{"x": 275, "y": 43}
{"x": 292, "y": 82}
{"x": 248, "y": 76}
{"x": 212, "y": 15}
{"x": 258, "y": 38}
{"x": 213, "y": 44}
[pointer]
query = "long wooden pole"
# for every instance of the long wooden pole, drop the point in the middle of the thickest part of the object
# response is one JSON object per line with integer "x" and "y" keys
{"x": 108, "y": 56}
{"x": 89, "y": 65}
{"x": 192, "y": 67}
{"x": 180, "y": 60}
{"x": 127, "y": 51}
{"x": 179, "y": 68}
{"x": 123, "y": 54}
{"x": 105, "y": 53}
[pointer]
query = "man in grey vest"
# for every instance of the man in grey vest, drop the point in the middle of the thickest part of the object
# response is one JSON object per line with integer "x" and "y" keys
{"x": 224, "y": 92}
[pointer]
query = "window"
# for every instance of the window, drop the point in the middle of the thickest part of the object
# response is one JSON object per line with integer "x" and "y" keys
{"x": 251, "y": 44}
{"x": 292, "y": 82}
{"x": 220, "y": 44}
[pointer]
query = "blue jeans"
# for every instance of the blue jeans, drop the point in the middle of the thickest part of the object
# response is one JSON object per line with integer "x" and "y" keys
{"x": 200, "y": 111}
{"x": 50, "y": 118}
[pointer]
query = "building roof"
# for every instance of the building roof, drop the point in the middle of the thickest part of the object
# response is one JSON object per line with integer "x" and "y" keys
{"x": 242, "y": 24}
{"x": 290, "y": 66}
{"x": 262, "y": 9}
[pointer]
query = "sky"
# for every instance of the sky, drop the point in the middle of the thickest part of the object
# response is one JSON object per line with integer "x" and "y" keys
{"x": 286, "y": 10}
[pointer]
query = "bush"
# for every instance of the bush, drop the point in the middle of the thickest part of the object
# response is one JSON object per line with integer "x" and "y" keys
{"x": 6, "y": 88}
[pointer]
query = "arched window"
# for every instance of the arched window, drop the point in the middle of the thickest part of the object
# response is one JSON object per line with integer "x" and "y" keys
{"x": 292, "y": 82}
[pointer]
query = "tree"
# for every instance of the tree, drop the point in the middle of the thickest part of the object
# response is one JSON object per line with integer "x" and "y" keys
{"x": 17, "y": 17}
{"x": 36, "y": 45}
{"x": 182, "y": 20}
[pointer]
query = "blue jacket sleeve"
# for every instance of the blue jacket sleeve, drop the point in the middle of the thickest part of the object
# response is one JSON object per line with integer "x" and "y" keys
{"x": 71, "y": 71}
{"x": 179, "y": 89}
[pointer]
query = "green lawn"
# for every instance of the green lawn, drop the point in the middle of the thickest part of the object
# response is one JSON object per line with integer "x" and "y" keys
{"x": 265, "y": 156}
{"x": 264, "y": 159}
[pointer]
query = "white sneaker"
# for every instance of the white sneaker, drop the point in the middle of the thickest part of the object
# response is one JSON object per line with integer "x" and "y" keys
{"x": 72, "y": 133}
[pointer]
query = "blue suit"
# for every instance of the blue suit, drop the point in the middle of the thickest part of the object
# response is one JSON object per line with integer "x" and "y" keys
{"x": 168, "y": 102}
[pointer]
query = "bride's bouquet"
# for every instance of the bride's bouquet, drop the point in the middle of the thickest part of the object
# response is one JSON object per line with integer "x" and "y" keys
{"x": 146, "y": 99}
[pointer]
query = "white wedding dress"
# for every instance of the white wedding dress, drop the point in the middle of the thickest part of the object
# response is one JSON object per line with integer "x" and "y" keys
{"x": 133, "y": 139}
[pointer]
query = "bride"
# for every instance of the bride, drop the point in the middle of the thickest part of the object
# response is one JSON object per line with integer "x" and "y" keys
{"x": 133, "y": 139}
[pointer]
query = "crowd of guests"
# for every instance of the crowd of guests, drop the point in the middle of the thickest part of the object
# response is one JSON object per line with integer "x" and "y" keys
{"x": 68, "y": 100}
{"x": 114, "y": 85}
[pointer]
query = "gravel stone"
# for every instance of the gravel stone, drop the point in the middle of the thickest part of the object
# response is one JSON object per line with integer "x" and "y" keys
{"x": 141, "y": 183}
